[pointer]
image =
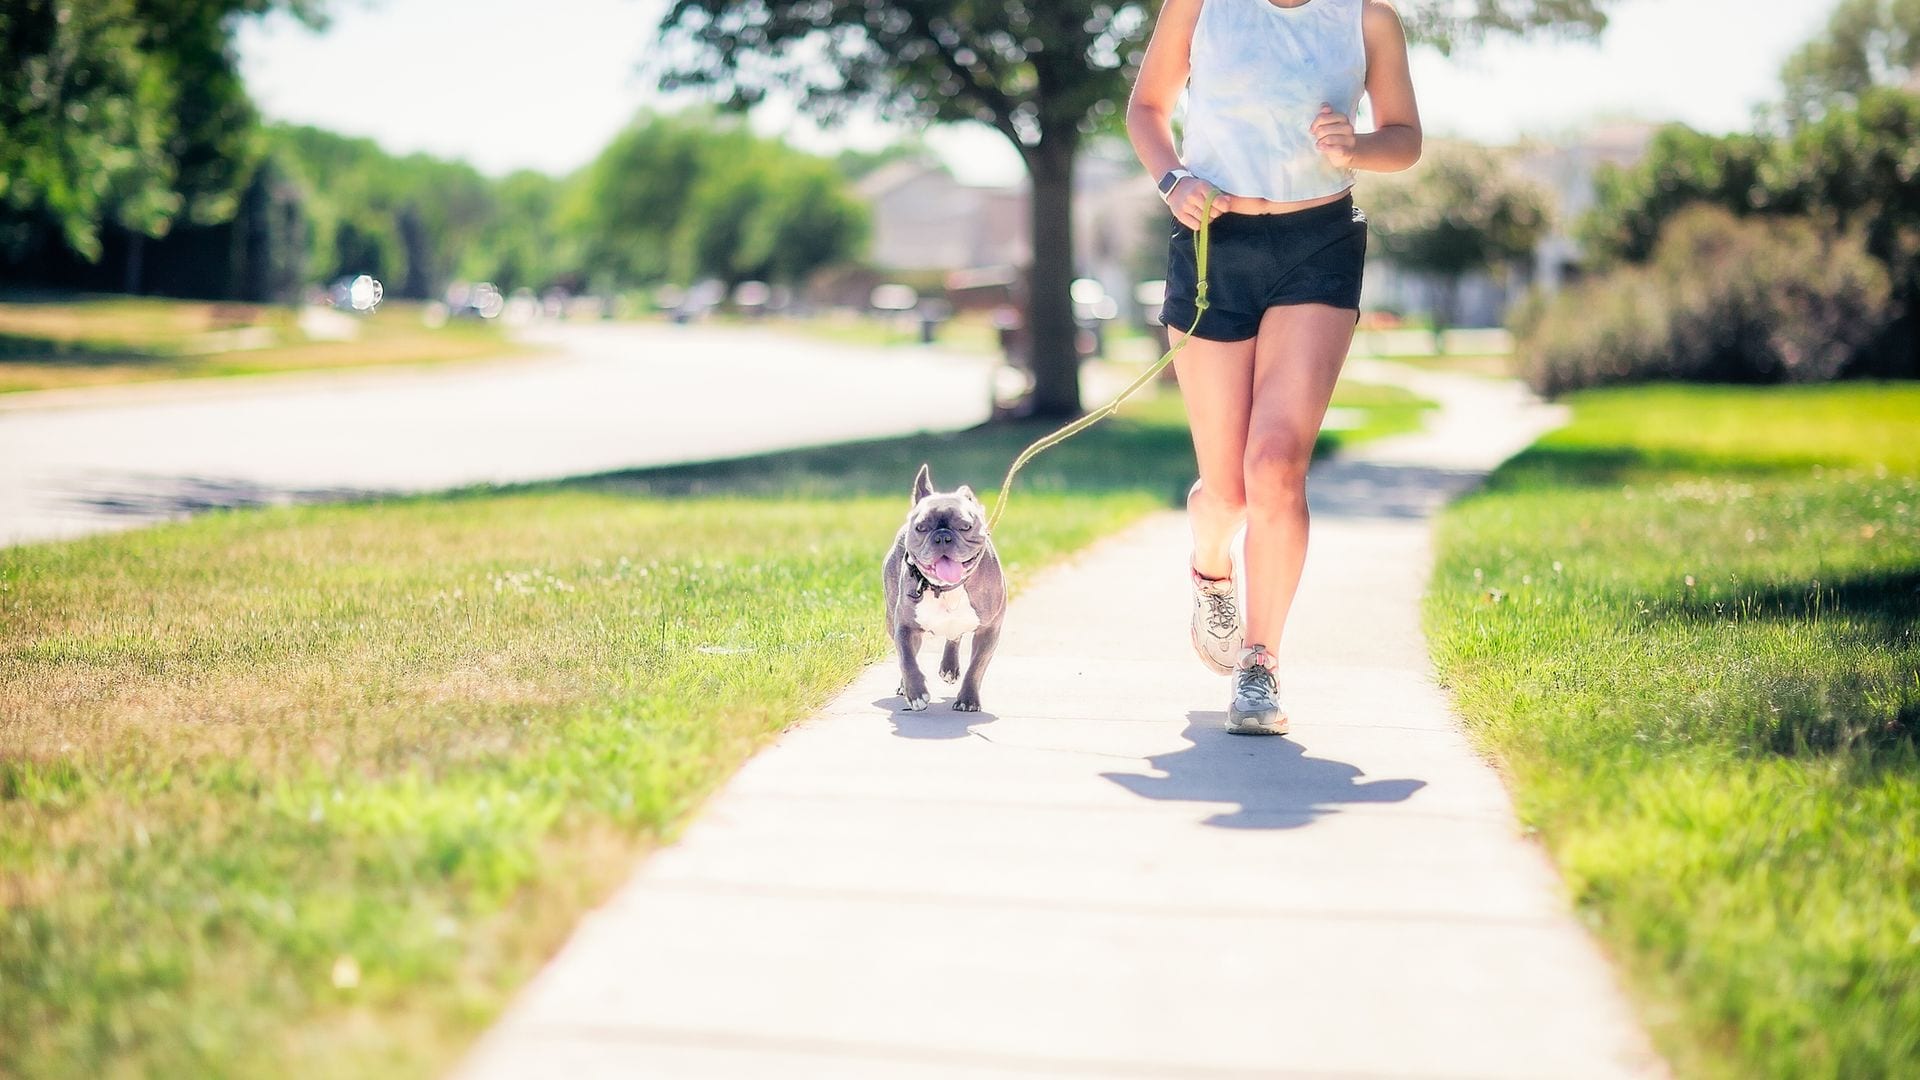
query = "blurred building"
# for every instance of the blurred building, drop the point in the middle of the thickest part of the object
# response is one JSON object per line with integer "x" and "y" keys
{"x": 926, "y": 221}
{"x": 1567, "y": 169}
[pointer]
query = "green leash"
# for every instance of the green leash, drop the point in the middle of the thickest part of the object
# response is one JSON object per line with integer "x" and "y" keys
{"x": 1083, "y": 423}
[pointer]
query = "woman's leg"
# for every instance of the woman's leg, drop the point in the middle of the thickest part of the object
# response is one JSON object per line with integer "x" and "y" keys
{"x": 1216, "y": 385}
{"x": 1296, "y": 360}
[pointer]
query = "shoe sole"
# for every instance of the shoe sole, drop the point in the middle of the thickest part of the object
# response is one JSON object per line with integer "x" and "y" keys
{"x": 1257, "y": 725}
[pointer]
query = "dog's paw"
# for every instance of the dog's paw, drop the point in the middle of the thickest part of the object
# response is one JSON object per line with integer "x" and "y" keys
{"x": 950, "y": 674}
{"x": 966, "y": 703}
{"x": 915, "y": 704}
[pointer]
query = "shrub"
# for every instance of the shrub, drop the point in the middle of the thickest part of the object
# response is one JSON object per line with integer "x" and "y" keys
{"x": 1723, "y": 299}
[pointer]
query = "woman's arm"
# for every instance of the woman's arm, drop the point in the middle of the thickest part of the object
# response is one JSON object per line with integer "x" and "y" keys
{"x": 1156, "y": 89}
{"x": 1394, "y": 144}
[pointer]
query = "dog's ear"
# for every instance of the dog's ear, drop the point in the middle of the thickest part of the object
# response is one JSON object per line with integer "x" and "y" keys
{"x": 922, "y": 485}
{"x": 966, "y": 492}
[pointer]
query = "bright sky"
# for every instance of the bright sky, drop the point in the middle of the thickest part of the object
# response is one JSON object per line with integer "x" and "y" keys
{"x": 506, "y": 84}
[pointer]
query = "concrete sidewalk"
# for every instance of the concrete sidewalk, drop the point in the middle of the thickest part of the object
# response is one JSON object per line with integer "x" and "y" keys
{"x": 1092, "y": 878}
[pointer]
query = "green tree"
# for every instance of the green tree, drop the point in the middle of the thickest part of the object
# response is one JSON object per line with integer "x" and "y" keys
{"x": 634, "y": 195}
{"x": 694, "y": 195}
{"x": 519, "y": 246}
{"x": 121, "y": 113}
{"x": 1681, "y": 167}
{"x": 1866, "y": 43}
{"x": 415, "y": 222}
{"x": 85, "y": 126}
{"x": 1854, "y": 168}
{"x": 770, "y": 215}
{"x": 1043, "y": 75}
{"x": 1461, "y": 212}
{"x": 1858, "y": 170}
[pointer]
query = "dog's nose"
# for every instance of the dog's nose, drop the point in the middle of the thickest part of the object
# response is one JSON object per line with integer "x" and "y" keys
{"x": 943, "y": 536}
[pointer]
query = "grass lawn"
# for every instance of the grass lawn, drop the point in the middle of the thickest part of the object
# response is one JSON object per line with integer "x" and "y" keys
{"x": 309, "y": 791}
{"x": 99, "y": 340}
{"x": 1688, "y": 626}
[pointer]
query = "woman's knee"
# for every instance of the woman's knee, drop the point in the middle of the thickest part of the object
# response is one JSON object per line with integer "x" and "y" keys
{"x": 1276, "y": 472}
{"x": 1217, "y": 499}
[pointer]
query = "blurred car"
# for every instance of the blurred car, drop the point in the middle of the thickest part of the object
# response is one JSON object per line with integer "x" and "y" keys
{"x": 479, "y": 300}
{"x": 356, "y": 292}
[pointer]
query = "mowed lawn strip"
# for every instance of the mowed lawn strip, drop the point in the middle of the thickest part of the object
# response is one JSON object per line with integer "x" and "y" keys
{"x": 1688, "y": 625}
{"x": 96, "y": 341}
{"x": 308, "y": 792}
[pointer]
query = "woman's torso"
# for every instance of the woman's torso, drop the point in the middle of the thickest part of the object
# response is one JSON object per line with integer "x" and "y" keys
{"x": 1259, "y": 74}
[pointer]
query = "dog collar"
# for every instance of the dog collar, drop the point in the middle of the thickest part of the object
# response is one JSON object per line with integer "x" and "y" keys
{"x": 926, "y": 582}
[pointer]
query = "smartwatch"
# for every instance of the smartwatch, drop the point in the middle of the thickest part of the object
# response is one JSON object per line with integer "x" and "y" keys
{"x": 1170, "y": 181}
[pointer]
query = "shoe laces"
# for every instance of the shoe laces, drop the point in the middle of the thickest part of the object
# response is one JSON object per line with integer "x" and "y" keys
{"x": 1256, "y": 680}
{"x": 1223, "y": 614}
{"x": 1255, "y": 674}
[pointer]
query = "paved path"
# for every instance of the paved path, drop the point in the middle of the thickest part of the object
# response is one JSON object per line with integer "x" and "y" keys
{"x": 613, "y": 397}
{"x": 1092, "y": 878}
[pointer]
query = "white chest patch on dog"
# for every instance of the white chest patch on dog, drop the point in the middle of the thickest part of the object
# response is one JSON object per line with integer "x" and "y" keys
{"x": 946, "y": 615}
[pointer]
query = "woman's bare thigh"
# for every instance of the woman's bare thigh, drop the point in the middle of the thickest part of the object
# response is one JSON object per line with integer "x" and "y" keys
{"x": 1297, "y": 359}
{"x": 1216, "y": 386}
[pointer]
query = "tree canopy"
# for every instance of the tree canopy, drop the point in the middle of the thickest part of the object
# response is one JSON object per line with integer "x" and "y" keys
{"x": 1866, "y": 43}
{"x": 1853, "y": 169}
{"x": 121, "y": 112}
{"x": 1462, "y": 211}
{"x": 697, "y": 195}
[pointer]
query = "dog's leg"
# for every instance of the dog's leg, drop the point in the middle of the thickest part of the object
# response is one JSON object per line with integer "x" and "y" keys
{"x": 913, "y": 685}
{"x": 984, "y": 640}
{"x": 950, "y": 661}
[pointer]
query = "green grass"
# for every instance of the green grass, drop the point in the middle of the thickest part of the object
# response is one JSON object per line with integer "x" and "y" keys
{"x": 1384, "y": 410}
{"x": 1688, "y": 625}
{"x": 309, "y": 791}
{"x": 93, "y": 341}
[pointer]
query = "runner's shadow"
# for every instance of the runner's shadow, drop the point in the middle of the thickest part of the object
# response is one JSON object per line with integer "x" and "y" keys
{"x": 936, "y": 721}
{"x": 1273, "y": 781}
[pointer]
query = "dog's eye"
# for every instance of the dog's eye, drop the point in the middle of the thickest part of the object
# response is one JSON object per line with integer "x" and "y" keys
{"x": 920, "y": 528}
{"x": 966, "y": 526}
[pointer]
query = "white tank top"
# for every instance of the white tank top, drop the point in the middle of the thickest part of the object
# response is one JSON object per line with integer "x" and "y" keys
{"x": 1259, "y": 74}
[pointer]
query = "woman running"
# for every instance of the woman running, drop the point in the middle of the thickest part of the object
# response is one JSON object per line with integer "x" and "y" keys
{"x": 1272, "y": 87}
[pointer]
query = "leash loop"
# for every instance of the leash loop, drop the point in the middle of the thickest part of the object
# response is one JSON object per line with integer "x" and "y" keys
{"x": 1082, "y": 423}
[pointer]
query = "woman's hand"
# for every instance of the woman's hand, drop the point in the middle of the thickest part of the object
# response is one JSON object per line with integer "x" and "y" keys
{"x": 1334, "y": 136}
{"x": 1189, "y": 197}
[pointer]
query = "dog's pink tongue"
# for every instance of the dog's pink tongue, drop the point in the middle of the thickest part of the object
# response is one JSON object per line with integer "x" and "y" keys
{"x": 947, "y": 570}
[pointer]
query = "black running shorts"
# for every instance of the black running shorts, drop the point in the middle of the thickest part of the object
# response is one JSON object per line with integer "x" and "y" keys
{"x": 1258, "y": 261}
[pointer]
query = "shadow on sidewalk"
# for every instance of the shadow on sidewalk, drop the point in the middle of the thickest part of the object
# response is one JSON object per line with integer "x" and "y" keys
{"x": 938, "y": 721}
{"x": 1364, "y": 489}
{"x": 163, "y": 496}
{"x": 1275, "y": 783}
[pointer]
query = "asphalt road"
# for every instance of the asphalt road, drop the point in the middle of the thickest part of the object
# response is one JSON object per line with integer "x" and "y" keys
{"x": 611, "y": 396}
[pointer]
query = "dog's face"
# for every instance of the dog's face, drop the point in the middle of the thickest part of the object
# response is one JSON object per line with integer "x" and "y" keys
{"x": 946, "y": 531}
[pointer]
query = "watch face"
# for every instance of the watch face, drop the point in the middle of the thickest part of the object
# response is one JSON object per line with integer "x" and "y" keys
{"x": 1169, "y": 182}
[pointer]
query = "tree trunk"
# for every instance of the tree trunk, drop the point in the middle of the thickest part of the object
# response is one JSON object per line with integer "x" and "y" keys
{"x": 1446, "y": 303}
{"x": 1050, "y": 327}
{"x": 132, "y": 279}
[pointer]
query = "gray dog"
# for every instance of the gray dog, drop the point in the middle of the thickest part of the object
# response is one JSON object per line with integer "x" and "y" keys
{"x": 943, "y": 578}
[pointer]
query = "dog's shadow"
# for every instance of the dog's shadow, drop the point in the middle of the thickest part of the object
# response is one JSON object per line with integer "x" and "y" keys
{"x": 937, "y": 721}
